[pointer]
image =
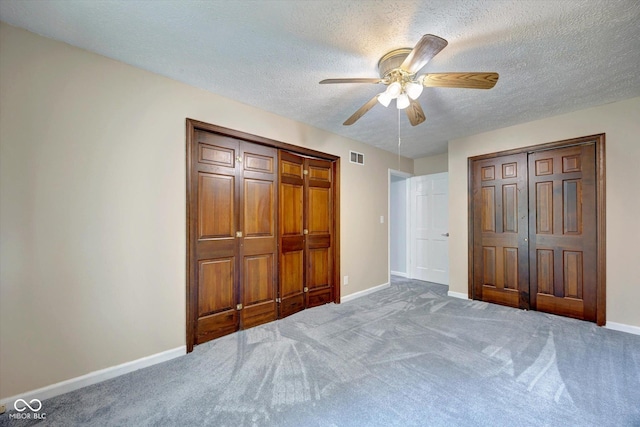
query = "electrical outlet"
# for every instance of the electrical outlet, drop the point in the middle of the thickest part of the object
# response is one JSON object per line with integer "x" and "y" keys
{"x": 381, "y": 219}
{"x": 346, "y": 280}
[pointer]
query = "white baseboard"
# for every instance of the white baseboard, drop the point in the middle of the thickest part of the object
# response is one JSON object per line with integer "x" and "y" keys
{"x": 94, "y": 377}
{"x": 457, "y": 295}
{"x": 623, "y": 328}
{"x": 355, "y": 295}
{"x": 399, "y": 274}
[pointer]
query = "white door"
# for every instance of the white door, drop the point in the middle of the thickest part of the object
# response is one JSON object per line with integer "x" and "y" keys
{"x": 429, "y": 228}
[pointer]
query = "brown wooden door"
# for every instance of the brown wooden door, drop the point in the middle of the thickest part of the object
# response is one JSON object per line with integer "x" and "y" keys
{"x": 500, "y": 264}
{"x": 544, "y": 204}
{"x": 254, "y": 251}
{"x": 233, "y": 230}
{"x": 306, "y": 233}
{"x": 562, "y": 224}
{"x": 258, "y": 244}
{"x": 291, "y": 226}
{"x": 213, "y": 231}
{"x": 319, "y": 234}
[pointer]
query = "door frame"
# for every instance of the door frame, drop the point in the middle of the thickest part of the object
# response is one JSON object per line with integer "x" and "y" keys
{"x": 599, "y": 141}
{"x": 405, "y": 177}
{"x": 191, "y": 126}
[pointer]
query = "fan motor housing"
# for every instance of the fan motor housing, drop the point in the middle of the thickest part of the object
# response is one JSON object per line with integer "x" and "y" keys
{"x": 392, "y": 61}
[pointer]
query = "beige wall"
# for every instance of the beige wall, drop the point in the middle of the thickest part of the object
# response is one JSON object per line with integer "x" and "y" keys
{"x": 620, "y": 121}
{"x": 431, "y": 164}
{"x": 92, "y": 219}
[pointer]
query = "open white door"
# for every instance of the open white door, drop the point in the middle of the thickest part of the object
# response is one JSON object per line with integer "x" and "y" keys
{"x": 429, "y": 229}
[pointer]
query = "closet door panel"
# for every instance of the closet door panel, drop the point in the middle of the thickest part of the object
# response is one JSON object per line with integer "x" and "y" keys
{"x": 215, "y": 187}
{"x": 291, "y": 282}
{"x": 291, "y": 228}
{"x": 319, "y": 223}
{"x": 216, "y": 298}
{"x": 319, "y": 276}
{"x": 258, "y": 294}
{"x": 258, "y": 246}
{"x": 216, "y": 213}
{"x": 500, "y": 261}
{"x": 563, "y": 231}
{"x": 319, "y": 211}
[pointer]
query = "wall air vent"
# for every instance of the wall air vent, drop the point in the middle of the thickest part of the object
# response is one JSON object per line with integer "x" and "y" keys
{"x": 357, "y": 158}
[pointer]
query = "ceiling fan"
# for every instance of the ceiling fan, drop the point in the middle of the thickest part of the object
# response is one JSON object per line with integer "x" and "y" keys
{"x": 398, "y": 71}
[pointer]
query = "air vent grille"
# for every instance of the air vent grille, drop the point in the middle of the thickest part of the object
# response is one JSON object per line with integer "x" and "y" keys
{"x": 357, "y": 158}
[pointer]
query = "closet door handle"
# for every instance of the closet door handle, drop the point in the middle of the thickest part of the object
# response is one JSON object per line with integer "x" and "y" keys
{"x": 445, "y": 234}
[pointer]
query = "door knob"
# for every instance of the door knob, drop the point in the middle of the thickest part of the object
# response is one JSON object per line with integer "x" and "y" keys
{"x": 445, "y": 234}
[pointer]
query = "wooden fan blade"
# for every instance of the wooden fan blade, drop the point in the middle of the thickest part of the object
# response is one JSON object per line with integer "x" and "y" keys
{"x": 461, "y": 80}
{"x": 354, "y": 80}
{"x": 415, "y": 113}
{"x": 428, "y": 47}
{"x": 361, "y": 111}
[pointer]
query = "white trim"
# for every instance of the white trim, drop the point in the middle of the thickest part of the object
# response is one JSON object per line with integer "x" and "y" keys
{"x": 397, "y": 273}
{"x": 355, "y": 295}
{"x": 457, "y": 295}
{"x": 623, "y": 328}
{"x": 94, "y": 377}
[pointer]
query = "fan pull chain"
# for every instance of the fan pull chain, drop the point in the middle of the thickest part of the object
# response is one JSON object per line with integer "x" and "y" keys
{"x": 399, "y": 141}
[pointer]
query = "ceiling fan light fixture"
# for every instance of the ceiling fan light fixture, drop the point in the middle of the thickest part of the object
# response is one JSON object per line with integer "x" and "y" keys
{"x": 398, "y": 71}
{"x": 394, "y": 90}
{"x": 402, "y": 101}
{"x": 384, "y": 98}
{"x": 413, "y": 89}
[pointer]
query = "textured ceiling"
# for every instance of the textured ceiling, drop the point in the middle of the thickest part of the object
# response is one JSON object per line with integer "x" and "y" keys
{"x": 552, "y": 56}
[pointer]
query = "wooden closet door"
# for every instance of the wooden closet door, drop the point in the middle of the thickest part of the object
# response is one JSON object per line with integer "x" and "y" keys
{"x": 234, "y": 231}
{"x": 254, "y": 250}
{"x": 291, "y": 230}
{"x": 562, "y": 215}
{"x": 319, "y": 226}
{"x": 213, "y": 231}
{"x": 258, "y": 243}
{"x": 500, "y": 262}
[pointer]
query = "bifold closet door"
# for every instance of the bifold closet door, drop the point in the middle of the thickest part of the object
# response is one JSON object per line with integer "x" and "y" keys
{"x": 306, "y": 232}
{"x": 500, "y": 264}
{"x": 233, "y": 187}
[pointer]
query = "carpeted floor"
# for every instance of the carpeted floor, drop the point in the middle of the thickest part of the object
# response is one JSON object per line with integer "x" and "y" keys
{"x": 404, "y": 356}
